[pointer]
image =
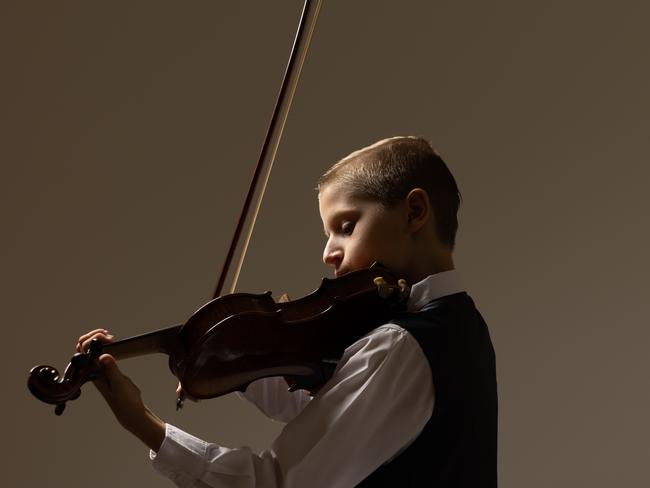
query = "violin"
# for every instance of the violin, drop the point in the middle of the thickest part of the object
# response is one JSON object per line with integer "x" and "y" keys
{"x": 238, "y": 338}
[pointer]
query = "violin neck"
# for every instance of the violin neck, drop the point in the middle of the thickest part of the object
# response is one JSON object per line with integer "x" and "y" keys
{"x": 159, "y": 341}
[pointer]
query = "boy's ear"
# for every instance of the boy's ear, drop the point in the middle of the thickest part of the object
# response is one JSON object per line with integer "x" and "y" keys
{"x": 418, "y": 208}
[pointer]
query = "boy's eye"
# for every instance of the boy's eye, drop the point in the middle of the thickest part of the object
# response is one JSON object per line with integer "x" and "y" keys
{"x": 347, "y": 228}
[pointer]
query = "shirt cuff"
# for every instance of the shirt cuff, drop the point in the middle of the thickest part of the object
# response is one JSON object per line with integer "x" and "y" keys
{"x": 181, "y": 456}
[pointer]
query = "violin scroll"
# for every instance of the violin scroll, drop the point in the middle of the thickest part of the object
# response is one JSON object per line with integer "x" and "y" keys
{"x": 46, "y": 384}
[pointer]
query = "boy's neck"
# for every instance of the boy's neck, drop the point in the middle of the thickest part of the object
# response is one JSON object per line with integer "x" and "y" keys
{"x": 430, "y": 265}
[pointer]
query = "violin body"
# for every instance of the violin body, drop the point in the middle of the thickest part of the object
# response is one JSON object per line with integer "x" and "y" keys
{"x": 239, "y": 338}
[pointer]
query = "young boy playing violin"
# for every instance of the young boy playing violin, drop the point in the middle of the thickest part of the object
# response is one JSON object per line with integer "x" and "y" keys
{"x": 412, "y": 403}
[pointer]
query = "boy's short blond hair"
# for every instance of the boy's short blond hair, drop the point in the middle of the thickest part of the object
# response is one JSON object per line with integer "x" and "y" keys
{"x": 388, "y": 170}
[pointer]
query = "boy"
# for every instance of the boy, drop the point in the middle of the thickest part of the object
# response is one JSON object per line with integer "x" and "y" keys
{"x": 413, "y": 403}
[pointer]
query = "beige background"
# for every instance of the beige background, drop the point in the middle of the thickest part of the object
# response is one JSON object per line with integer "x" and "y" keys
{"x": 129, "y": 131}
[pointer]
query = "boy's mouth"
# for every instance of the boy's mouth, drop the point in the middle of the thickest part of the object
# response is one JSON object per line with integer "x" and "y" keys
{"x": 340, "y": 272}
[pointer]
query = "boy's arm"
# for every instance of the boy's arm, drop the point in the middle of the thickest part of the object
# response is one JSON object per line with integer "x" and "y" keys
{"x": 270, "y": 395}
{"x": 273, "y": 398}
{"x": 376, "y": 403}
{"x": 122, "y": 395}
{"x": 125, "y": 400}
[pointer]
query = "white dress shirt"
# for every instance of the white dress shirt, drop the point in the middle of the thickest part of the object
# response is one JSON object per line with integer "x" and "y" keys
{"x": 377, "y": 402}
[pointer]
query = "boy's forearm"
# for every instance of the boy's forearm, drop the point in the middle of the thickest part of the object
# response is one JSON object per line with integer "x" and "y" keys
{"x": 125, "y": 400}
{"x": 150, "y": 429}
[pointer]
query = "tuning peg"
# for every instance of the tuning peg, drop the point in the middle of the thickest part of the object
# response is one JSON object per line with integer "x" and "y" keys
{"x": 404, "y": 290}
{"x": 383, "y": 288}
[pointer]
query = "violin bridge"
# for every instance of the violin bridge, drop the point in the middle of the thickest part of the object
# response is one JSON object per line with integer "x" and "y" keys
{"x": 284, "y": 298}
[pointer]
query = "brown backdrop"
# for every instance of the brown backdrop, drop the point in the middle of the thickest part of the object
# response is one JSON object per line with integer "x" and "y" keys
{"x": 129, "y": 131}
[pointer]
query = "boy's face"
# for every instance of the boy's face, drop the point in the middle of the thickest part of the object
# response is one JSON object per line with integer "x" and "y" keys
{"x": 360, "y": 232}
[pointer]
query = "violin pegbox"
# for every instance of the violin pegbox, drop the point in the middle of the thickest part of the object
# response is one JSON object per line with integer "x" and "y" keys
{"x": 385, "y": 289}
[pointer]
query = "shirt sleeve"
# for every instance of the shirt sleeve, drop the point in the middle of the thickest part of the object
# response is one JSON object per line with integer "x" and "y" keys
{"x": 273, "y": 398}
{"x": 376, "y": 403}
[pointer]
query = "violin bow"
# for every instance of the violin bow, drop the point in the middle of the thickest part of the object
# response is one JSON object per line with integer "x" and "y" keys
{"x": 252, "y": 203}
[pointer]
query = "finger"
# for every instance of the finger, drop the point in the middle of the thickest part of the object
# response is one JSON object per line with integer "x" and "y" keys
{"x": 82, "y": 346}
{"x": 100, "y": 336}
{"x": 87, "y": 335}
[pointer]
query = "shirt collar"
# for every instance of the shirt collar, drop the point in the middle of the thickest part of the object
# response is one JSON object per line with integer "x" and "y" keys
{"x": 434, "y": 286}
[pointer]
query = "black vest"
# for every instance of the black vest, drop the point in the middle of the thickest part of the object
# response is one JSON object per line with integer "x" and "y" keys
{"x": 458, "y": 446}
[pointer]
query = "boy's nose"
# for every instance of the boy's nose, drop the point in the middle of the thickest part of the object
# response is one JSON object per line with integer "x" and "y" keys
{"x": 332, "y": 257}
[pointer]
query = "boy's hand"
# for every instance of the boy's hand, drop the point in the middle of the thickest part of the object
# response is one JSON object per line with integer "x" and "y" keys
{"x": 123, "y": 396}
{"x": 100, "y": 334}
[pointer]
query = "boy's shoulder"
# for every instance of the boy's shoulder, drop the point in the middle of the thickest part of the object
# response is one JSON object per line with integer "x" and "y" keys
{"x": 453, "y": 306}
{"x": 451, "y": 317}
